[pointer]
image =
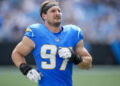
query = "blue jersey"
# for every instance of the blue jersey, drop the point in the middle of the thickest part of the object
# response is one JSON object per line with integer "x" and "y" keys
{"x": 56, "y": 71}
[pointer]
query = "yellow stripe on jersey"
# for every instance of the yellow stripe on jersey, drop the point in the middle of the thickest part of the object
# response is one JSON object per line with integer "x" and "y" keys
{"x": 28, "y": 29}
{"x": 79, "y": 29}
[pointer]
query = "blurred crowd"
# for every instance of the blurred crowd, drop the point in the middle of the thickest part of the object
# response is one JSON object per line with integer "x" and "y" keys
{"x": 99, "y": 19}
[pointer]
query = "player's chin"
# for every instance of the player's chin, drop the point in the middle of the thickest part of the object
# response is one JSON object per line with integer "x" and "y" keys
{"x": 57, "y": 24}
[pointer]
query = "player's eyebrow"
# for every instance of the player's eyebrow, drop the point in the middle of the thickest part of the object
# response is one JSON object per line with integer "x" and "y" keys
{"x": 54, "y": 9}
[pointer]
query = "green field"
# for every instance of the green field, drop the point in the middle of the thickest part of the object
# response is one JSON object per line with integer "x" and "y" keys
{"x": 96, "y": 76}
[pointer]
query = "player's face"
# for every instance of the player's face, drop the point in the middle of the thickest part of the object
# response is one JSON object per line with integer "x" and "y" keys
{"x": 53, "y": 16}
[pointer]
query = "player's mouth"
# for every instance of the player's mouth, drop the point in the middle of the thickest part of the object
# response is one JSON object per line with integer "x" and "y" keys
{"x": 57, "y": 17}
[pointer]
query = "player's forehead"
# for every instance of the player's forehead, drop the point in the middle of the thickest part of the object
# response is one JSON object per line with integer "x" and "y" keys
{"x": 54, "y": 8}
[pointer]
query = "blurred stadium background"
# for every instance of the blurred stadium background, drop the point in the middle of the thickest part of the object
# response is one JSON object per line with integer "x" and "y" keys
{"x": 99, "y": 20}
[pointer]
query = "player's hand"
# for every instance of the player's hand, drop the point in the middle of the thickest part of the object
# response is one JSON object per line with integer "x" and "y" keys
{"x": 65, "y": 53}
{"x": 33, "y": 75}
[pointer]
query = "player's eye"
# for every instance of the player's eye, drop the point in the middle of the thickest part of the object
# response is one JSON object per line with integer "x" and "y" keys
{"x": 59, "y": 10}
{"x": 53, "y": 11}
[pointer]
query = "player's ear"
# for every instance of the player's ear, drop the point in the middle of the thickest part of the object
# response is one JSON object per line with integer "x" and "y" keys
{"x": 43, "y": 16}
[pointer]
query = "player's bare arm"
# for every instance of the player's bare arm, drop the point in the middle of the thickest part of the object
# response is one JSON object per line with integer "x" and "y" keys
{"x": 80, "y": 57}
{"x": 83, "y": 53}
{"x": 18, "y": 54}
{"x": 21, "y": 50}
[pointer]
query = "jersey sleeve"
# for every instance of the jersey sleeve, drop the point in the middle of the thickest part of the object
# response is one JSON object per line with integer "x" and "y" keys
{"x": 80, "y": 34}
{"x": 30, "y": 34}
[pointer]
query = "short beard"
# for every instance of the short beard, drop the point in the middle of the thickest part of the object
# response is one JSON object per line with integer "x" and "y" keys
{"x": 57, "y": 24}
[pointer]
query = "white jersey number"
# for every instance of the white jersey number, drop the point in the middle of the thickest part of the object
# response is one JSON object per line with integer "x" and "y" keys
{"x": 52, "y": 57}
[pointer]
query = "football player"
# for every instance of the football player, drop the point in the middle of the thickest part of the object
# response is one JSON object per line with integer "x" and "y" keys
{"x": 55, "y": 49}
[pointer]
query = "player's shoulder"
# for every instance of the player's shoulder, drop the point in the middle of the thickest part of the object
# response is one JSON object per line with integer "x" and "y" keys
{"x": 71, "y": 27}
{"x": 32, "y": 30}
{"x": 33, "y": 27}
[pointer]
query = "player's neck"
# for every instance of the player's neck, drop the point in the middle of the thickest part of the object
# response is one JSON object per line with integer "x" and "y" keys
{"x": 53, "y": 29}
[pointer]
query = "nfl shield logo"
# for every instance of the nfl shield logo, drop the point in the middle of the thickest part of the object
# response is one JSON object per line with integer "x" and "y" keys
{"x": 57, "y": 40}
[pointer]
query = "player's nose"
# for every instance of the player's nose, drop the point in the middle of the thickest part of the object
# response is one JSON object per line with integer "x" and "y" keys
{"x": 57, "y": 12}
